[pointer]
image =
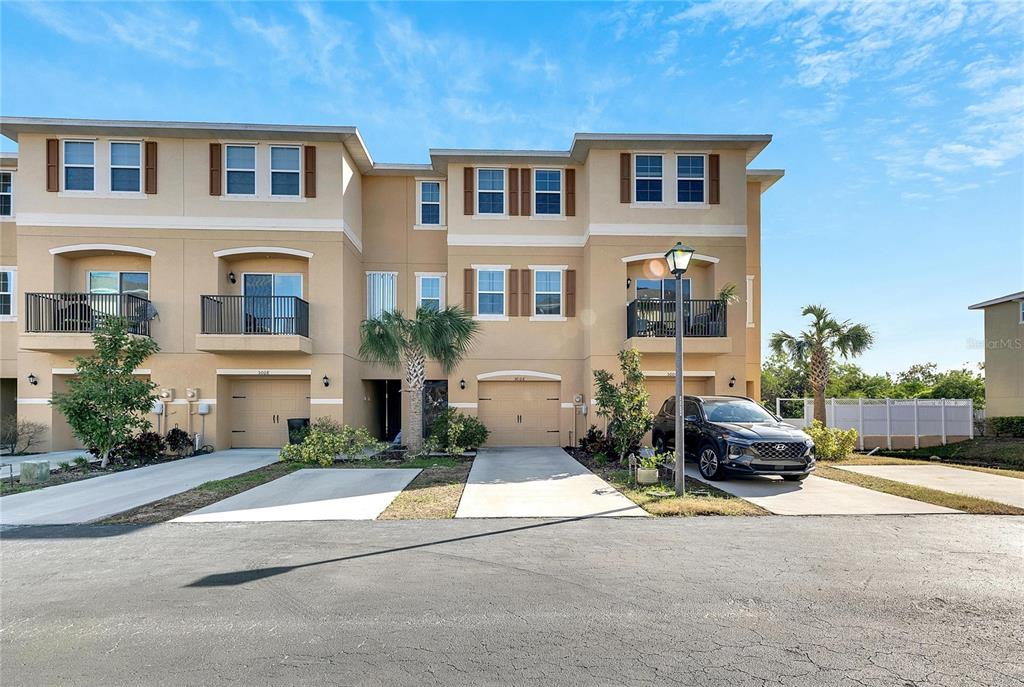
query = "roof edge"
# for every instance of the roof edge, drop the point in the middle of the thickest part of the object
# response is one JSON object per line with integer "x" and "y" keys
{"x": 1018, "y": 296}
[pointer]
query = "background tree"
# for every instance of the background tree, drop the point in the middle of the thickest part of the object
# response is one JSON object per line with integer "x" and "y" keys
{"x": 826, "y": 337}
{"x": 625, "y": 403}
{"x": 396, "y": 341}
{"x": 105, "y": 402}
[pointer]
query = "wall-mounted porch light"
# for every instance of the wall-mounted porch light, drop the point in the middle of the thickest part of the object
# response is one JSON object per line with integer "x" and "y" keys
{"x": 732, "y": 382}
{"x": 462, "y": 384}
{"x": 32, "y": 379}
{"x": 231, "y": 277}
{"x": 327, "y": 381}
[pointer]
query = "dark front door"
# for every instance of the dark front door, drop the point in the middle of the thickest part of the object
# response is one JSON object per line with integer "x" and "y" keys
{"x": 435, "y": 400}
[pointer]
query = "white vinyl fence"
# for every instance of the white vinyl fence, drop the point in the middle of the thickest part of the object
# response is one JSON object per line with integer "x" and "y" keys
{"x": 892, "y": 422}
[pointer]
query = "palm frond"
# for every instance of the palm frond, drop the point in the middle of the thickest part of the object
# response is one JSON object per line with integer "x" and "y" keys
{"x": 444, "y": 335}
{"x": 382, "y": 339}
{"x": 854, "y": 340}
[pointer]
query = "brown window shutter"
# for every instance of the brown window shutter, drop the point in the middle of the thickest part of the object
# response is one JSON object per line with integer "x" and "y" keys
{"x": 467, "y": 190}
{"x": 525, "y": 292}
{"x": 525, "y": 184}
{"x": 570, "y": 193}
{"x": 570, "y": 293}
{"x": 151, "y": 167}
{"x": 512, "y": 195}
{"x": 714, "y": 197}
{"x": 309, "y": 170}
{"x": 625, "y": 177}
{"x": 52, "y": 164}
{"x": 468, "y": 290}
{"x": 216, "y": 169}
{"x": 513, "y": 293}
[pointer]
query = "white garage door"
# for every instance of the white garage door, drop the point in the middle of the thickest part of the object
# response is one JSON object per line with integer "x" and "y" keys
{"x": 664, "y": 388}
{"x": 260, "y": 409}
{"x": 520, "y": 413}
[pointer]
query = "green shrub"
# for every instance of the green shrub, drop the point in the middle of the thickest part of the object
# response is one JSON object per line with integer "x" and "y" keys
{"x": 831, "y": 443}
{"x": 1008, "y": 426}
{"x": 455, "y": 432}
{"x": 178, "y": 441}
{"x": 144, "y": 447}
{"x": 328, "y": 441}
{"x": 82, "y": 463}
{"x": 652, "y": 462}
{"x": 595, "y": 443}
{"x": 65, "y": 467}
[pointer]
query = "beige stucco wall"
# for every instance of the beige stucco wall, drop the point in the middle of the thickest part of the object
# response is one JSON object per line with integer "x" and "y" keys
{"x": 1004, "y": 360}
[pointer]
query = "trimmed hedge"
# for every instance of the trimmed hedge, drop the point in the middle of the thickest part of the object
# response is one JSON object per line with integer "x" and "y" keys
{"x": 1009, "y": 426}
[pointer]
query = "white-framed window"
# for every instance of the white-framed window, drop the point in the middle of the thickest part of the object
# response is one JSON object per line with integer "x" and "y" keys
{"x": 240, "y": 169}
{"x": 547, "y": 191}
{"x": 285, "y": 168}
{"x": 547, "y": 293}
{"x": 429, "y": 203}
{"x": 113, "y": 282}
{"x": 1022, "y": 312}
{"x": 648, "y": 175}
{"x": 125, "y": 166}
{"x": 79, "y": 166}
{"x": 430, "y": 290}
{"x": 690, "y": 178}
{"x": 490, "y": 191}
{"x": 6, "y": 194}
{"x": 381, "y": 293}
{"x": 490, "y": 292}
{"x": 8, "y": 289}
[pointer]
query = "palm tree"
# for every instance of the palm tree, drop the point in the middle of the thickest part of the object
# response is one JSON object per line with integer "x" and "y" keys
{"x": 816, "y": 346}
{"x": 396, "y": 341}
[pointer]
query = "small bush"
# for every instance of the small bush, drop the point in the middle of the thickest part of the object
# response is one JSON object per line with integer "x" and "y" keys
{"x": 595, "y": 442}
{"x": 179, "y": 441}
{"x": 652, "y": 462}
{"x": 19, "y": 436}
{"x": 82, "y": 463}
{"x": 1008, "y": 426}
{"x": 455, "y": 432}
{"x": 297, "y": 436}
{"x": 831, "y": 443}
{"x": 143, "y": 448}
{"x": 65, "y": 467}
{"x": 328, "y": 441}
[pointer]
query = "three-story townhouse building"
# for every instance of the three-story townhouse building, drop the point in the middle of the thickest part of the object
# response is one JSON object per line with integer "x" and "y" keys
{"x": 252, "y": 253}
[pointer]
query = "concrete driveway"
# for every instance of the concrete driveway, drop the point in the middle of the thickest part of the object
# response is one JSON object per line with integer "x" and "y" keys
{"x": 311, "y": 494}
{"x": 96, "y": 498}
{"x": 983, "y": 485}
{"x": 540, "y": 482}
{"x": 817, "y": 496}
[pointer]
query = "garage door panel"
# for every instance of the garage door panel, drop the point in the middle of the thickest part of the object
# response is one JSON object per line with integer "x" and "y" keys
{"x": 520, "y": 413}
{"x": 661, "y": 389}
{"x": 260, "y": 409}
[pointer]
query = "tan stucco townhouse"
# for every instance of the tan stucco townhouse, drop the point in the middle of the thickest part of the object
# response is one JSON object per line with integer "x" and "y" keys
{"x": 1004, "y": 354}
{"x": 251, "y": 253}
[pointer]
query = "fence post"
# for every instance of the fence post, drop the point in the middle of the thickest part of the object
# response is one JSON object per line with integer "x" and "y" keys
{"x": 860, "y": 422}
{"x": 832, "y": 406}
{"x": 942, "y": 409}
{"x": 888, "y": 423}
{"x": 970, "y": 415}
{"x": 917, "y": 432}
{"x": 778, "y": 406}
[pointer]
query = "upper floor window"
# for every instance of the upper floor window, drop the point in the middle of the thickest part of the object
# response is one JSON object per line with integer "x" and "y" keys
{"x": 547, "y": 292}
{"x": 125, "y": 166}
{"x": 133, "y": 283}
{"x": 7, "y": 292}
{"x": 240, "y": 164}
{"x": 490, "y": 287}
{"x": 284, "y": 170}
{"x": 381, "y": 293}
{"x": 490, "y": 194}
{"x": 690, "y": 178}
{"x": 430, "y": 202}
{"x": 548, "y": 191}
{"x": 6, "y": 194}
{"x": 648, "y": 175}
{"x": 430, "y": 291}
{"x": 79, "y": 166}
{"x": 1022, "y": 312}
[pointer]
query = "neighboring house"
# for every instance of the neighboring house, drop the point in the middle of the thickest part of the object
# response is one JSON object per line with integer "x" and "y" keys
{"x": 1004, "y": 355}
{"x": 251, "y": 253}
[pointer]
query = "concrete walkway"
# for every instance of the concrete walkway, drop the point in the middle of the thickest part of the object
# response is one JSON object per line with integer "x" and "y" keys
{"x": 311, "y": 494}
{"x": 817, "y": 496}
{"x": 538, "y": 482}
{"x": 100, "y": 497}
{"x": 983, "y": 485}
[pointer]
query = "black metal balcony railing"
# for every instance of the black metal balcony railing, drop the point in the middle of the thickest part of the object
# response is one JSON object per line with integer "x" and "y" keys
{"x": 254, "y": 315}
{"x": 657, "y": 317}
{"x": 79, "y": 313}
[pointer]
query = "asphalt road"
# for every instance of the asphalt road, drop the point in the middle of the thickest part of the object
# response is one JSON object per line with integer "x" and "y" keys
{"x": 883, "y": 600}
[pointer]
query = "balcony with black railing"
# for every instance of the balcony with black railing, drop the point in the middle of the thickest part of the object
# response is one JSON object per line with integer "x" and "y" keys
{"x": 656, "y": 319}
{"x": 253, "y": 323}
{"x": 79, "y": 313}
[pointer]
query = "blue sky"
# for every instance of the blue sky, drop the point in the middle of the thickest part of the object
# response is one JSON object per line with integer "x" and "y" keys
{"x": 900, "y": 125}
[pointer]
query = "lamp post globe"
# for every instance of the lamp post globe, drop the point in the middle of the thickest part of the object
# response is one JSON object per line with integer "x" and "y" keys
{"x": 678, "y": 259}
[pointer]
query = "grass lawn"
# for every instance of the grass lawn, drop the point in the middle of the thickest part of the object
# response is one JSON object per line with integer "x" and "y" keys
{"x": 433, "y": 495}
{"x": 860, "y": 459}
{"x": 659, "y": 500}
{"x": 433, "y": 499}
{"x": 967, "y": 504}
{"x": 1002, "y": 452}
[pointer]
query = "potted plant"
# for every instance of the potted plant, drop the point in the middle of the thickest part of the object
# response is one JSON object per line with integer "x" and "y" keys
{"x": 647, "y": 470}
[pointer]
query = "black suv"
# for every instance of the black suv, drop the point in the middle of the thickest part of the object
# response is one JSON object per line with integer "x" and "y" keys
{"x": 735, "y": 434}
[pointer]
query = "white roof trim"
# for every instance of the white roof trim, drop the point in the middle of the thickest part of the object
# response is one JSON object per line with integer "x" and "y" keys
{"x": 262, "y": 249}
{"x": 519, "y": 373}
{"x": 102, "y": 246}
{"x": 1019, "y": 296}
{"x": 652, "y": 256}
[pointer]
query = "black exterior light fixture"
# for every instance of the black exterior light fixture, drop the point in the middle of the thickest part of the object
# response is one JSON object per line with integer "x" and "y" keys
{"x": 678, "y": 259}
{"x": 231, "y": 277}
{"x": 462, "y": 384}
{"x": 32, "y": 379}
{"x": 327, "y": 381}
{"x": 732, "y": 382}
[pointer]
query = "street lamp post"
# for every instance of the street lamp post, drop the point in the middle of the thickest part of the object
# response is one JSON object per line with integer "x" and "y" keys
{"x": 678, "y": 259}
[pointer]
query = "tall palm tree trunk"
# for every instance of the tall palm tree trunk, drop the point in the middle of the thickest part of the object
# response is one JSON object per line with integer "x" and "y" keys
{"x": 415, "y": 374}
{"x": 819, "y": 379}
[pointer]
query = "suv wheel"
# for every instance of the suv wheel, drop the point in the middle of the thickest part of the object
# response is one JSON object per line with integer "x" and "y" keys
{"x": 709, "y": 464}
